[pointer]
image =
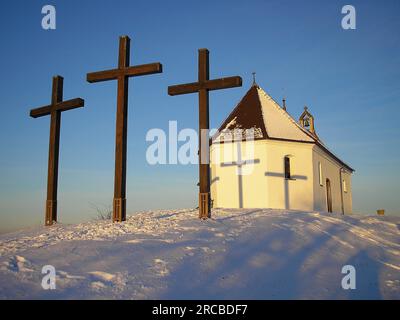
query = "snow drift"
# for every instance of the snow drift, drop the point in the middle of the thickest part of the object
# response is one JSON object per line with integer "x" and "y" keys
{"x": 239, "y": 254}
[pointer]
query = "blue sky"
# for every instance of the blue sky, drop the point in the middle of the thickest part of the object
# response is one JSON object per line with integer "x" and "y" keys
{"x": 348, "y": 78}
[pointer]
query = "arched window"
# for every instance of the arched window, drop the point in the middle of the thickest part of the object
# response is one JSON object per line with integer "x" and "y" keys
{"x": 287, "y": 167}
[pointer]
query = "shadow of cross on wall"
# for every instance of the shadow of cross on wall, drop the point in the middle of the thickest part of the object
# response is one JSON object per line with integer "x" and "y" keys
{"x": 292, "y": 178}
{"x": 239, "y": 164}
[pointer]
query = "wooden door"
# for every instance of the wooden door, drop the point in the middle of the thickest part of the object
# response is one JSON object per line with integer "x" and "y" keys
{"x": 329, "y": 195}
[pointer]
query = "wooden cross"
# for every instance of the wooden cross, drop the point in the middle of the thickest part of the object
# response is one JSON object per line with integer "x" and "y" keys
{"x": 54, "y": 110}
{"x": 122, "y": 74}
{"x": 239, "y": 164}
{"x": 203, "y": 86}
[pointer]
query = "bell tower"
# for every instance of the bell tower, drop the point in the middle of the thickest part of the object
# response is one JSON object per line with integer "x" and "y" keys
{"x": 306, "y": 120}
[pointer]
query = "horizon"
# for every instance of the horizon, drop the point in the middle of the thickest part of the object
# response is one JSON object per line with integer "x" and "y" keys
{"x": 349, "y": 79}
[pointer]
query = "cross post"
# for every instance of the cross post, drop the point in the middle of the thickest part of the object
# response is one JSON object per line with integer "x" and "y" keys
{"x": 54, "y": 110}
{"x": 122, "y": 75}
{"x": 202, "y": 87}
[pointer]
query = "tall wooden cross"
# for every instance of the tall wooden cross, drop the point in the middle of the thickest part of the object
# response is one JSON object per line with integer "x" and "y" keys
{"x": 54, "y": 110}
{"x": 203, "y": 86}
{"x": 122, "y": 74}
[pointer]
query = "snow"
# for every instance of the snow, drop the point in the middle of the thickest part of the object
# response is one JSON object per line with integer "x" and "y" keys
{"x": 278, "y": 123}
{"x": 231, "y": 124}
{"x": 238, "y": 254}
{"x": 239, "y": 134}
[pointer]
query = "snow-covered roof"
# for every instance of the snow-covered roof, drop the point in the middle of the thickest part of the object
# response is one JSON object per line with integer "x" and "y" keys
{"x": 259, "y": 112}
{"x": 278, "y": 122}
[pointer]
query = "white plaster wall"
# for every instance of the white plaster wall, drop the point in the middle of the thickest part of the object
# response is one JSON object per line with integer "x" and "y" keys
{"x": 296, "y": 193}
{"x": 331, "y": 171}
{"x": 225, "y": 181}
{"x": 347, "y": 196}
{"x": 263, "y": 184}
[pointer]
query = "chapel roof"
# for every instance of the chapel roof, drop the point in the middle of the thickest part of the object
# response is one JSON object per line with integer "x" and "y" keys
{"x": 258, "y": 111}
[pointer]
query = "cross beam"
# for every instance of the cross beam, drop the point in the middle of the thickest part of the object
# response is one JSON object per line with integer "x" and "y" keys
{"x": 54, "y": 109}
{"x": 223, "y": 83}
{"x": 203, "y": 86}
{"x": 122, "y": 75}
{"x": 134, "y": 71}
{"x": 61, "y": 106}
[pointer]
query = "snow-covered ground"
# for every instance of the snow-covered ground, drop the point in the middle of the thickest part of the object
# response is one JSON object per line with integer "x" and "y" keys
{"x": 238, "y": 254}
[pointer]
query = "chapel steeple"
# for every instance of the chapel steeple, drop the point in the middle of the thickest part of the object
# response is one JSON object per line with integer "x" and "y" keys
{"x": 306, "y": 120}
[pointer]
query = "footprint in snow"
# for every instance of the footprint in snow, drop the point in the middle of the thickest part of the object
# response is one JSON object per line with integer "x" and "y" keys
{"x": 190, "y": 249}
{"x": 101, "y": 280}
{"x": 102, "y": 276}
{"x": 160, "y": 266}
{"x": 65, "y": 275}
{"x": 97, "y": 285}
{"x": 18, "y": 264}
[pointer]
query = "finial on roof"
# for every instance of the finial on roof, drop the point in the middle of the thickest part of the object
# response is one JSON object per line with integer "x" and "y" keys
{"x": 305, "y": 108}
{"x": 284, "y": 103}
{"x": 254, "y": 78}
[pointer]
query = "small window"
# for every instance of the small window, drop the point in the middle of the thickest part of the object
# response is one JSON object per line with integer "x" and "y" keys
{"x": 344, "y": 186}
{"x": 287, "y": 167}
{"x": 320, "y": 174}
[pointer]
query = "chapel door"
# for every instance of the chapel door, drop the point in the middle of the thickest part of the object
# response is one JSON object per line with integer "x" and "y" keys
{"x": 329, "y": 195}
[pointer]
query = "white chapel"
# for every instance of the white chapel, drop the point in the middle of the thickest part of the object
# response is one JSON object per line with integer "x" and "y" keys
{"x": 285, "y": 166}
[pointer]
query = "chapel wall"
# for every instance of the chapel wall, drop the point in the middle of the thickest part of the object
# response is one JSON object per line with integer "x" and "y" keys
{"x": 330, "y": 170}
{"x": 263, "y": 185}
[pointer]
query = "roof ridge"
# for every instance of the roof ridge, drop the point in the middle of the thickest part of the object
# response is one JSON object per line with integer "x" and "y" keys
{"x": 258, "y": 88}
